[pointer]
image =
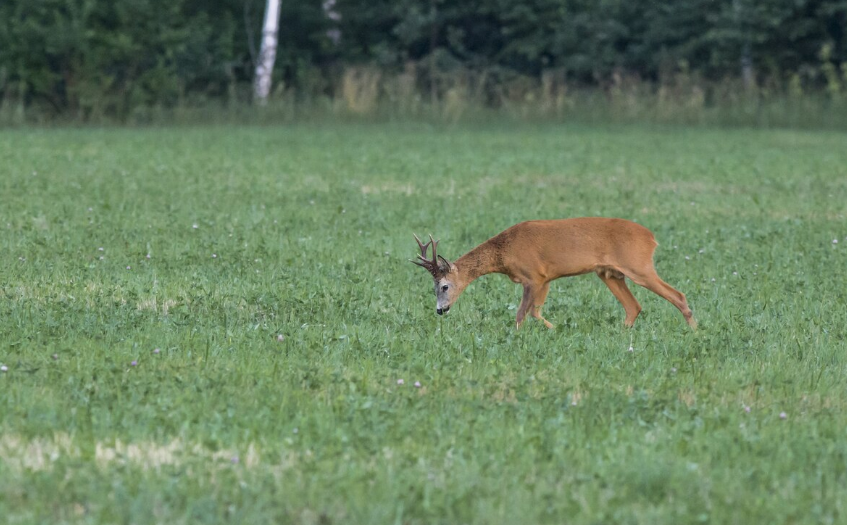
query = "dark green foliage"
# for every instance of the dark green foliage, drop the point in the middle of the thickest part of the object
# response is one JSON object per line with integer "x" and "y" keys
{"x": 88, "y": 58}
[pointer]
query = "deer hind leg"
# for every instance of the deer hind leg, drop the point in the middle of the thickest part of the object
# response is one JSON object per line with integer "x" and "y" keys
{"x": 616, "y": 283}
{"x": 539, "y": 297}
{"x": 651, "y": 280}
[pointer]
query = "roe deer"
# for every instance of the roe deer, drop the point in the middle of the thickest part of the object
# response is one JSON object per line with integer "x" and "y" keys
{"x": 534, "y": 253}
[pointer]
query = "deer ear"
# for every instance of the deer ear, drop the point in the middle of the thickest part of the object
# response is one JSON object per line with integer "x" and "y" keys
{"x": 444, "y": 265}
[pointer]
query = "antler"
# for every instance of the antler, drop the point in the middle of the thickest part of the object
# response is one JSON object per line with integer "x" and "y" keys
{"x": 430, "y": 265}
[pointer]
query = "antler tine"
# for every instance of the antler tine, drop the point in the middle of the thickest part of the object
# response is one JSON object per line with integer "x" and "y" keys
{"x": 423, "y": 261}
{"x": 431, "y": 265}
{"x": 434, "y": 246}
{"x": 423, "y": 246}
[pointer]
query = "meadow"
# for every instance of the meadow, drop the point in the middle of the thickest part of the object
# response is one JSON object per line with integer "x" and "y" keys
{"x": 220, "y": 325}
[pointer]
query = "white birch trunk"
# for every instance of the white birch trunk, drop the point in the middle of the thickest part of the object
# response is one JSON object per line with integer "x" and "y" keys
{"x": 267, "y": 53}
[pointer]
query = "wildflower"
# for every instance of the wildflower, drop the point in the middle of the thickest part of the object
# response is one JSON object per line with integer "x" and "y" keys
{"x": 400, "y": 382}
{"x": 100, "y": 249}
{"x": 747, "y": 409}
{"x": 155, "y": 350}
{"x": 234, "y": 460}
{"x": 129, "y": 267}
{"x": 734, "y": 273}
{"x": 687, "y": 258}
{"x": 214, "y": 256}
{"x": 834, "y": 241}
{"x": 631, "y": 349}
{"x": 195, "y": 226}
{"x": 4, "y": 368}
{"x": 417, "y": 384}
{"x": 280, "y": 338}
{"x": 134, "y": 363}
{"x": 783, "y": 415}
{"x": 148, "y": 255}
{"x": 55, "y": 357}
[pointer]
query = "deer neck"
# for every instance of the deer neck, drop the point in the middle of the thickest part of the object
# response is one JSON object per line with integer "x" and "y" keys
{"x": 482, "y": 260}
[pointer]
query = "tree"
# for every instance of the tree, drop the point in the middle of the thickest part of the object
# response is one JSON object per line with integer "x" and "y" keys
{"x": 267, "y": 53}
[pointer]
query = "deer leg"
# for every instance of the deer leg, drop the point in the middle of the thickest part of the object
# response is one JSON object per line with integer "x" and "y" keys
{"x": 525, "y": 302}
{"x": 655, "y": 284}
{"x": 539, "y": 298}
{"x": 624, "y": 296}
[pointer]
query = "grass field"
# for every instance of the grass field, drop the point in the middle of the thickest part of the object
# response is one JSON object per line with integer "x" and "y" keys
{"x": 209, "y": 325}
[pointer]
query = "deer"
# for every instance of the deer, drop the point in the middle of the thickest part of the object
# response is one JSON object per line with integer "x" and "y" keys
{"x": 534, "y": 253}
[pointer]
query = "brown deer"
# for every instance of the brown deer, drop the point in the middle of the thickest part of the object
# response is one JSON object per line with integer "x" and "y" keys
{"x": 534, "y": 253}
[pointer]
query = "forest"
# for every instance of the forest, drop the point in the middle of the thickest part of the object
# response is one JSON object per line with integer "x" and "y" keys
{"x": 94, "y": 59}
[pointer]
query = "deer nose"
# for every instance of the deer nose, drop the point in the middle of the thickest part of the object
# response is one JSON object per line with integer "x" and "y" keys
{"x": 441, "y": 311}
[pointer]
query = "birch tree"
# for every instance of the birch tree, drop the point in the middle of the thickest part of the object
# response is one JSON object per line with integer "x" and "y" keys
{"x": 267, "y": 52}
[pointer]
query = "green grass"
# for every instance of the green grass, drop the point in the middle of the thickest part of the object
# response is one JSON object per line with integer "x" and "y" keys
{"x": 311, "y": 228}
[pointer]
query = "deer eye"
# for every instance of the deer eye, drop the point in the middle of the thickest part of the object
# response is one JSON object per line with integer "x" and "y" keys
{"x": 444, "y": 288}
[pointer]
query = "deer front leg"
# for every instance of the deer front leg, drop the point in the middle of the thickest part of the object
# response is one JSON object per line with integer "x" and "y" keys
{"x": 525, "y": 304}
{"x": 538, "y": 302}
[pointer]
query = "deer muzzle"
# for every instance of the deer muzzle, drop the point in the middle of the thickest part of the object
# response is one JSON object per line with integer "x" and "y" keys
{"x": 442, "y": 311}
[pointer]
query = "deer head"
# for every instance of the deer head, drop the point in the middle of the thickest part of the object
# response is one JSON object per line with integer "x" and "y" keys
{"x": 443, "y": 273}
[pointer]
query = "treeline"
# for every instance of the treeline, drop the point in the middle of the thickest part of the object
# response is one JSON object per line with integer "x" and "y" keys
{"x": 91, "y": 59}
